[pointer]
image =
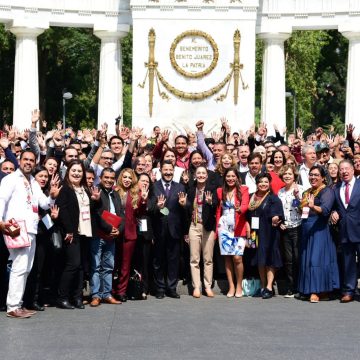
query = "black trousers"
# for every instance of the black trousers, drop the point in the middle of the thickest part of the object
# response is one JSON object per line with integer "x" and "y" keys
{"x": 4, "y": 275}
{"x": 34, "y": 284}
{"x": 290, "y": 239}
{"x": 71, "y": 280}
{"x": 166, "y": 260}
{"x": 141, "y": 260}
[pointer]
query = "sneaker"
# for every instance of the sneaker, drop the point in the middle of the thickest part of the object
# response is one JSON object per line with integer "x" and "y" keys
{"x": 289, "y": 295}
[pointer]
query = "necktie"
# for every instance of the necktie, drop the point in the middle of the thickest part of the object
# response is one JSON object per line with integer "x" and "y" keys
{"x": 167, "y": 190}
{"x": 347, "y": 193}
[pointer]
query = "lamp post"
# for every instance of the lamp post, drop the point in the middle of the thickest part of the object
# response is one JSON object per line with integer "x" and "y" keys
{"x": 289, "y": 94}
{"x": 66, "y": 96}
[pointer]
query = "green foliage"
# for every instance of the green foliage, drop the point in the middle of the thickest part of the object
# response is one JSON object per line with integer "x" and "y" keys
{"x": 7, "y": 61}
{"x": 69, "y": 59}
{"x": 303, "y": 55}
{"x": 127, "y": 104}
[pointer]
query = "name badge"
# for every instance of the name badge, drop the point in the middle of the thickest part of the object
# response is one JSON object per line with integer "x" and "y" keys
{"x": 165, "y": 211}
{"x": 47, "y": 221}
{"x": 143, "y": 225}
{"x": 305, "y": 212}
{"x": 255, "y": 223}
{"x": 85, "y": 213}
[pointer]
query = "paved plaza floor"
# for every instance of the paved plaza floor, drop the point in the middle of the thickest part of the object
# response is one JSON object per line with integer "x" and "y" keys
{"x": 188, "y": 328}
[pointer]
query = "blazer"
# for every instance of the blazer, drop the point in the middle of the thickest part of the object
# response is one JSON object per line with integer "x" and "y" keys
{"x": 208, "y": 211}
{"x": 240, "y": 216}
{"x": 176, "y": 218}
{"x": 131, "y": 216}
{"x": 349, "y": 218}
{"x": 69, "y": 211}
{"x": 104, "y": 204}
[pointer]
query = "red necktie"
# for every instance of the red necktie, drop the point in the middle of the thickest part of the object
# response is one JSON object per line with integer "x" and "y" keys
{"x": 347, "y": 194}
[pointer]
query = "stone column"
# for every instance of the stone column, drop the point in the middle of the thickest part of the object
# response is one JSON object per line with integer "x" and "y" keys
{"x": 353, "y": 80}
{"x": 110, "y": 78}
{"x": 273, "y": 106}
{"x": 26, "y": 79}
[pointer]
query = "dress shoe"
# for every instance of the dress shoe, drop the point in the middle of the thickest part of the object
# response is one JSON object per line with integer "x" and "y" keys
{"x": 27, "y": 311}
{"x": 209, "y": 293}
{"x": 111, "y": 300}
{"x": 18, "y": 314}
{"x": 267, "y": 294}
{"x": 36, "y": 306}
{"x": 346, "y": 298}
{"x": 95, "y": 302}
{"x": 78, "y": 304}
{"x": 314, "y": 298}
{"x": 172, "y": 294}
{"x": 196, "y": 293}
{"x": 160, "y": 295}
{"x": 64, "y": 304}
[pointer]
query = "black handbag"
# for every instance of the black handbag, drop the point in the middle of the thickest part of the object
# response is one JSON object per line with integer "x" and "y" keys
{"x": 56, "y": 238}
{"x": 135, "y": 288}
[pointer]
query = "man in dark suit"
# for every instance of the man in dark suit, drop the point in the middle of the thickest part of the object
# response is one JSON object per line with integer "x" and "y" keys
{"x": 169, "y": 221}
{"x": 347, "y": 214}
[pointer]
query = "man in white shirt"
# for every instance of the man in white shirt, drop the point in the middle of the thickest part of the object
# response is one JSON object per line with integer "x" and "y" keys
{"x": 309, "y": 156}
{"x": 20, "y": 197}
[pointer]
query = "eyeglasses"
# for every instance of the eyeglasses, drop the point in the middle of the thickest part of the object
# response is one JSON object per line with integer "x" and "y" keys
{"x": 107, "y": 158}
{"x": 314, "y": 175}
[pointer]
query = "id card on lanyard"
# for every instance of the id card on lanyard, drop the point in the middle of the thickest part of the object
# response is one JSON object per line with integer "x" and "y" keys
{"x": 85, "y": 213}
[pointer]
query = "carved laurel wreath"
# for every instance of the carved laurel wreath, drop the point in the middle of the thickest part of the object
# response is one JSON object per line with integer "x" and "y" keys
{"x": 194, "y": 33}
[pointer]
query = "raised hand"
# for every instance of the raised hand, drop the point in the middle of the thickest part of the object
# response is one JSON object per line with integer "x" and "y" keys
{"x": 4, "y": 142}
{"x": 161, "y": 201}
{"x": 165, "y": 135}
{"x": 44, "y": 124}
{"x": 54, "y": 212}
{"x": 310, "y": 200}
{"x": 55, "y": 186}
{"x": 208, "y": 197}
{"x": 59, "y": 125}
{"x": 200, "y": 125}
{"x": 57, "y": 139}
{"x": 182, "y": 198}
{"x": 300, "y": 133}
{"x": 185, "y": 176}
{"x": 41, "y": 140}
{"x": 144, "y": 193}
{"x": 35, "y": 116}
{"x": 95, "y": 193}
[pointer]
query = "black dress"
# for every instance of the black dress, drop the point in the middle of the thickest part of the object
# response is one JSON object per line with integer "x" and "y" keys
{"x": 268, "y": 249}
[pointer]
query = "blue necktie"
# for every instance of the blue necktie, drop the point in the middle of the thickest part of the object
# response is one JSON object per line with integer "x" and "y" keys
{"x": 167, "y": 189}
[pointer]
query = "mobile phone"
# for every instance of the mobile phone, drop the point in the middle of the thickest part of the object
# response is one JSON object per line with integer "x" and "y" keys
{"x": 345, "y": 143}
{"x": 117, "y": 120}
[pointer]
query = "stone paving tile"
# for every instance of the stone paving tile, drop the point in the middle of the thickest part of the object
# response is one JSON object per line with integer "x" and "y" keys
{"x": 170, "y": 329}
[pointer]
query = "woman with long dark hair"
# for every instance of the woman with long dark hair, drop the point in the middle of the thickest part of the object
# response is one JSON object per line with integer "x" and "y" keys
{"x": 265, "y": 215}
{"x": 77, "y": 222}
{"x": 231, "y": 222}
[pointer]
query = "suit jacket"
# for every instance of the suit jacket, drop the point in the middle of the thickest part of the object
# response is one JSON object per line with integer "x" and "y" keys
{"x": 240, "y": 217}
{"x": 208, "y": 211}
{"x": 104, "y": 204}
{"x": 349, "y": 222}
{"x": 69, "y": 211}
{"x": 177, "y": 214}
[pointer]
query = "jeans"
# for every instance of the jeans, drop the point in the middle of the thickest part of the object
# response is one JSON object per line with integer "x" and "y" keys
{"x": 102, "y": 265}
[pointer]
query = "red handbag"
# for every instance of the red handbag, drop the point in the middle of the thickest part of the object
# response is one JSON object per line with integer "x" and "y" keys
{"x": 111, "y": 219}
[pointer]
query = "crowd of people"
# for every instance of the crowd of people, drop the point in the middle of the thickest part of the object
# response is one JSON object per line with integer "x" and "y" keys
{"x": 127, "y": 212}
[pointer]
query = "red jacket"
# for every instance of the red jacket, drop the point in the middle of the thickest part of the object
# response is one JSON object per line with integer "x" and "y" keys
{"x": 240, "y": 216}
{"x": 131, "y": 216}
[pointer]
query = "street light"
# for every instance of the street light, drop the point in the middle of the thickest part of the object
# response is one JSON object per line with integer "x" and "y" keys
{"x": 289, "y": 94}
{"x": 66, "y": 96}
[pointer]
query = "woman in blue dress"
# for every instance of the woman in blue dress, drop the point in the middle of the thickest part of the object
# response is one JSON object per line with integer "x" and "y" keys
{"x": 319, "y": 273}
